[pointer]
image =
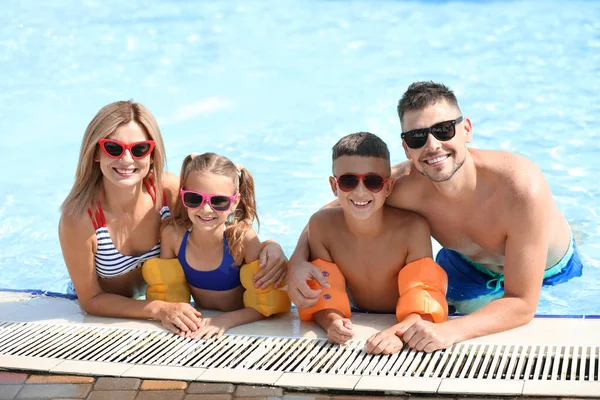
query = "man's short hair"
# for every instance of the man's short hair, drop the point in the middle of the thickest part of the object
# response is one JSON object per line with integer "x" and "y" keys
{"x": 420, "y": 95}
{"x": 363, "y": 144}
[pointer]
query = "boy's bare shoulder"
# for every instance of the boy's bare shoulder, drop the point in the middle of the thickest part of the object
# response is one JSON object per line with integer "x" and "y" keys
{"x": 327, "y": 216}
{"x": 403, "y": 220}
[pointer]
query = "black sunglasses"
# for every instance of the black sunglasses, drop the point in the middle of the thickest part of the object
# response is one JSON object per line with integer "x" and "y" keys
{"x": 443, "y": 131}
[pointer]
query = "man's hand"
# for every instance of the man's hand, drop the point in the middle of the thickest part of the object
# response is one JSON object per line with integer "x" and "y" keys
{"x": 273, "y": 267}
{"x": 384, "y": 342}
{"x": 298, "y": 290}
{"x": 428, "y": 336}
{"x": 340, "y": 331}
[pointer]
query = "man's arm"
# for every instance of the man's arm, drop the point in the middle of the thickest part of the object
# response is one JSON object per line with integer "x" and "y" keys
{"x": 526, "y": 250}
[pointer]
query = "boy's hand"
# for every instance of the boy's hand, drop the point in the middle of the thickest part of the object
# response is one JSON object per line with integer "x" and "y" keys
{"x": 298, "y": 290}
{"x": 213, "y": 327}
{"x": 273, "y": 267}
{"x": 384, "y": 342}
{"x": 340, "y": 331}
{"x": 428, "y": 336}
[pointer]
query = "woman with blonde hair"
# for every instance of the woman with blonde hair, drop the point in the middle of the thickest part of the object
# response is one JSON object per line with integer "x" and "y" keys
{"x": 110, "y": 222}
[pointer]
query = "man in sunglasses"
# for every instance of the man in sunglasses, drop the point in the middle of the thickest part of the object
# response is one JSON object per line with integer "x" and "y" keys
{"x": 502, "y": 233}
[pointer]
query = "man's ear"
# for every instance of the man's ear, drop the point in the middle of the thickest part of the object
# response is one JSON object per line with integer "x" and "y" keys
{"x": 468, "y": 128}
{"x": 333, "y": 184}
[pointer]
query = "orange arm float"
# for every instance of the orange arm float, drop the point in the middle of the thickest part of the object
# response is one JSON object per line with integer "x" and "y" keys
{"x": 422, "y": 285}
{"x": 166, "y": 280}
{"x": 267, "y": 301}
{"x": 334, "y": 298}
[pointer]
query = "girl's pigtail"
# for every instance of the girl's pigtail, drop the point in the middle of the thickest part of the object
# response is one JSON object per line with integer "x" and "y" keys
{"x": 243, "y": 216}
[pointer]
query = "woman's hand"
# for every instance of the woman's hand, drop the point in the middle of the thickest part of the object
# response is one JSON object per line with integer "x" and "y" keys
{"x": 180, "y": 318}
{"x": 273, "y": 267}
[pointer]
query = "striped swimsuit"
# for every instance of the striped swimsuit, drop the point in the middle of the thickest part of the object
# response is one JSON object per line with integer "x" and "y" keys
{"x": 109, "y": 262}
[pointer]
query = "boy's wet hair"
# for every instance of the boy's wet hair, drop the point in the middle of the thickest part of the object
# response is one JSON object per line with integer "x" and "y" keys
{"x": 420, "y": 95}
{"x": 363, "y": 144}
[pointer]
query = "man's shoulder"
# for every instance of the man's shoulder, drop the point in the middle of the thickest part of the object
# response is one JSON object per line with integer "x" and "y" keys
{"x": 511, "y": 171}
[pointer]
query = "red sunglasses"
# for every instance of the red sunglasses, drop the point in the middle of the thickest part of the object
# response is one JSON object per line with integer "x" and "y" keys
{"x": 373, "y": 182}
{"x": 115, "y": 149}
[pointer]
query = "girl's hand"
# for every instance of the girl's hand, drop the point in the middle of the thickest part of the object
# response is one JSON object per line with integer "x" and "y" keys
{"x": 179, "y": 318}
{"x": 273, "y": 267}
{"x": 213, "y": 327}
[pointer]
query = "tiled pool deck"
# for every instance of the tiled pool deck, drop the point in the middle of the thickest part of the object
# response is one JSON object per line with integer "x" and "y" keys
{"x": 17, "y": 385}
{"x": 29, "y": 380}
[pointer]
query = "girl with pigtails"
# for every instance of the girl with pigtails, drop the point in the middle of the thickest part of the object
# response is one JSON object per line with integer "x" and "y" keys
{"x": 210, "y": 233}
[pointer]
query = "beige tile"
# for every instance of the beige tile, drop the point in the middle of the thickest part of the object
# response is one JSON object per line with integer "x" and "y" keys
{"x": 481, "y": 386}
{"x": 114, "y": 384}
{"x": 28, "y": 363}
{"x": 318, "y": 381}
{"x": 91, "y": 368}
{"x": 59, "y": 379}
{"x": 398, "y": 384}
{"x": 164, "y": 372}
{"x": 54, "y": 390}
{"x": 239, "y": 376}
{"x": 561, "y": 388}
{"x": 163, "y": 385}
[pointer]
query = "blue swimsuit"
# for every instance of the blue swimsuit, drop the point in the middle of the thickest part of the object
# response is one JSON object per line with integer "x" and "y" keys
{"x": 471, "y": 286}
{"x": 225, "y": 277}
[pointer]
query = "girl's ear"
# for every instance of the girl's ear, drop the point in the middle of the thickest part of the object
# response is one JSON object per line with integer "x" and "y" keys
{"x": 333, "y": 184}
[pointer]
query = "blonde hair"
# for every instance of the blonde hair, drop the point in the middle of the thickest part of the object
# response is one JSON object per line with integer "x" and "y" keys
{"x": 88, "y": 177}
{"x": 240, "y": 220}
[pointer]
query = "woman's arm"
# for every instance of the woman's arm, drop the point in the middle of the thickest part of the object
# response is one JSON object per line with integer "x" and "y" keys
{"x": 77, "y": 240}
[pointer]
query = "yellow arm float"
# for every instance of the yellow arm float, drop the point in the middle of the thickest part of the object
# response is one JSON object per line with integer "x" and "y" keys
{"x": 422, "y": 285}
{"x": 334, "y": 297}
{"x": 166, "y": 280}
{"x": 267, "y": 301}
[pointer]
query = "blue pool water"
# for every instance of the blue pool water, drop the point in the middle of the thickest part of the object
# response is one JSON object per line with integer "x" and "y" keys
{"x": 274, "y": 84}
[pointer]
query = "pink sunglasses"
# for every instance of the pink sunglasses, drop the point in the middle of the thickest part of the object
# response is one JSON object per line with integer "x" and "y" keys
{"x": 218, "y": 202}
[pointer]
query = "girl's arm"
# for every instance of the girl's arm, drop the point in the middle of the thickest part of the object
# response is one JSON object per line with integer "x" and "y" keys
{"x": 252, "y": 246}
{"x": 77, "y": 240}
{"x": 216, "y": 326}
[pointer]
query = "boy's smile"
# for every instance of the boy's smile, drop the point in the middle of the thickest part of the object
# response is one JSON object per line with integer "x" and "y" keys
{"x": 355, "y": 184}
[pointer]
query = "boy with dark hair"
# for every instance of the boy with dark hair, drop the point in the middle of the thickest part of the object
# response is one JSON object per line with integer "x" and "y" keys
{"x": 380, "y": 255}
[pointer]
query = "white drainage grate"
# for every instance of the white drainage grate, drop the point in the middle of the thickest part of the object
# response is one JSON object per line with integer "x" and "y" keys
{"x": 464, "y": 368}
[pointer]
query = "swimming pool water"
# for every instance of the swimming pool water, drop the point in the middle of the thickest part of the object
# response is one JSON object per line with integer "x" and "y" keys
{"x": 273, "y": 85}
